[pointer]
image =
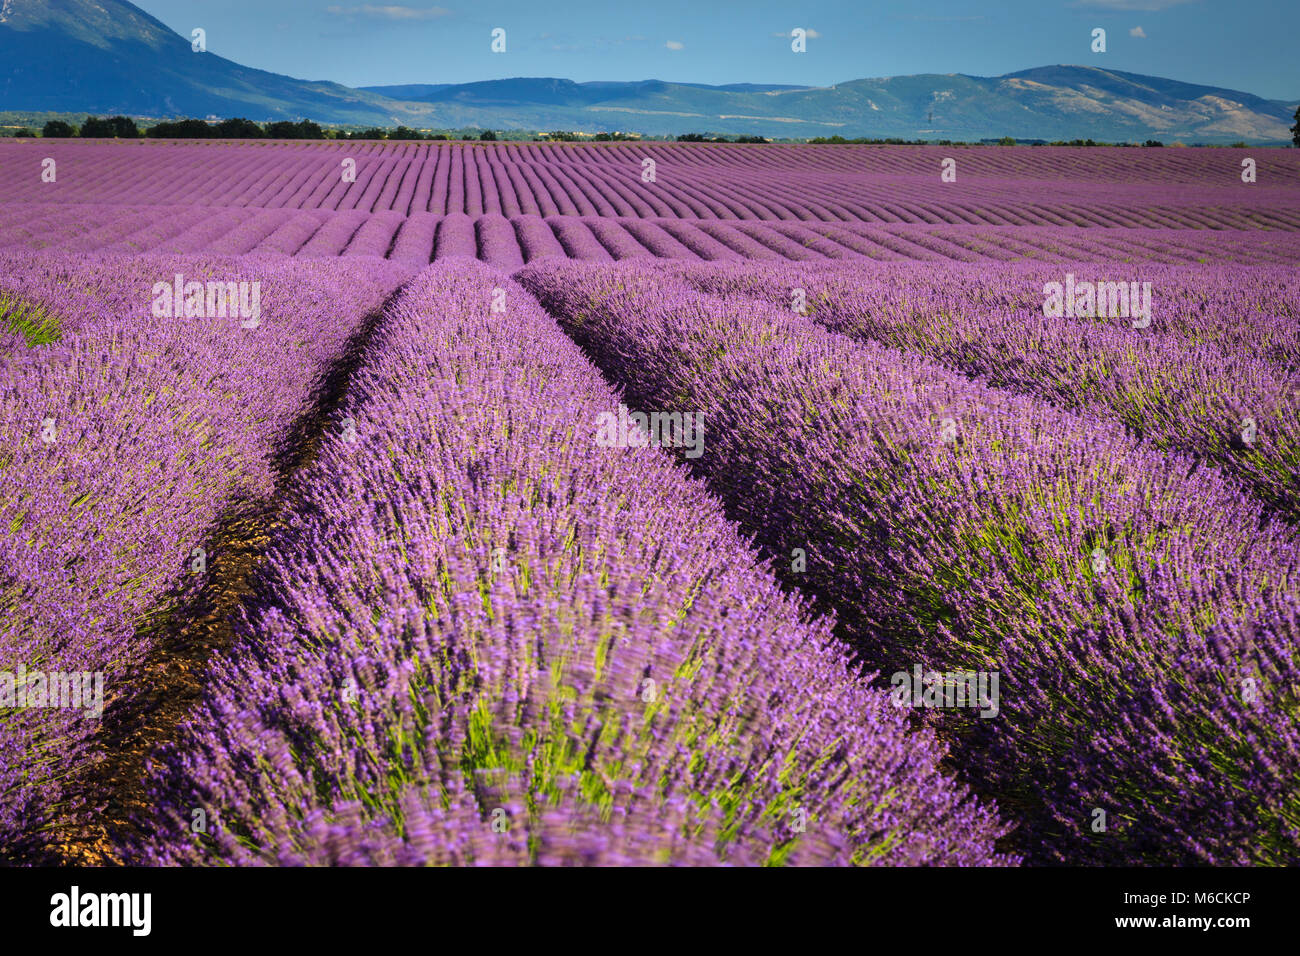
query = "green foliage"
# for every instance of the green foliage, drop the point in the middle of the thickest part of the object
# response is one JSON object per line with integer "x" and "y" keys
{"x": 119, "y": 127}
{"x": 865, "y": 141}
{"x": 124, "y": 128}
{"x": 235, "y": 128}
{"x": 488, "y": 136}
{"x": 95, "y": 127}
{"x": 283, "y": 129}
{"x": 1295, "y": 130}
{"x": 238, "y": 128}
{"x": 181, "y": 129}
{"x": 27, "y": 319}
{"x": 57, "y": 129}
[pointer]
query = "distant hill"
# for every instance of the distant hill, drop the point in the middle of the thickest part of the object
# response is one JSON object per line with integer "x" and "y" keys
{"x": 108, "y": 56}
{"x": 550, "y": 92}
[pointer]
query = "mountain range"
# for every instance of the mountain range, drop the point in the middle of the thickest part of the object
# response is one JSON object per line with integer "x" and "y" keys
{"x": 109, "y": 56}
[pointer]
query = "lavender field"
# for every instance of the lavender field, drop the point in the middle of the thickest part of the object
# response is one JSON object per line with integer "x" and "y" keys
{"x": 648, "y": 504}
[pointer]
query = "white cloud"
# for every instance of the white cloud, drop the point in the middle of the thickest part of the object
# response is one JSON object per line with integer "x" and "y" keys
{"x": 675, "y": 45}
{"x": 810, "y": 34}
{"x": 1135, "y": 5}
{"x": 1138, "y": 32}
{"x": 389, "y": 12}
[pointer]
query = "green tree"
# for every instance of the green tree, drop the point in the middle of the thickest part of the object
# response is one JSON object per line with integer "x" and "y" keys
{"x": 181, "y": 129}
{"x": 57, "y": 129}
{"x": 124, "y": 127}
{"x": 121, "y": 127}
{"x": 283, "y": 129}
{"x": 238, "y": 128}
{"x": 487, "y": 135}
{"x": 1295, "y": 130}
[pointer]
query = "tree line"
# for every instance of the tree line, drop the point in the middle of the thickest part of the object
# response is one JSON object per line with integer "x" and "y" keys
{"x": 123, "y": 127}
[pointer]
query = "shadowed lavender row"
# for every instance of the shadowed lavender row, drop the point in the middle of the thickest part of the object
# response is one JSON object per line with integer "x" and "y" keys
{"x": 482, "y": 636}
{"x": 1140, "y": 608}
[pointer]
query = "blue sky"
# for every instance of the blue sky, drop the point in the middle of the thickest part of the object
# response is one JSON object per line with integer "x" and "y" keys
{"x": 1247, "y": 45}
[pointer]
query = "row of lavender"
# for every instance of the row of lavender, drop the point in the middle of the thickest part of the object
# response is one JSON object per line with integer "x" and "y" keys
{"x": 123, "y": 446}
{"x": 1208, "y": 364}
{"x": 1202, "y": 190}
{"x": 482, "y": 636}
{"x": 508, "y": 243}
{"x": 1140, "y": 609}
